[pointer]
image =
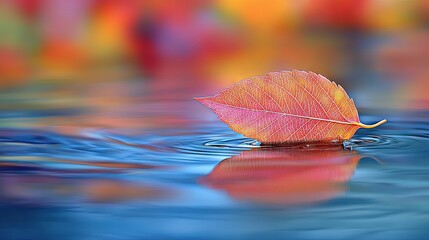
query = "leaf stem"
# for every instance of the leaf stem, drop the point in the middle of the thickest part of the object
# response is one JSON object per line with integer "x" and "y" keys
{"x": 371, "y": 126}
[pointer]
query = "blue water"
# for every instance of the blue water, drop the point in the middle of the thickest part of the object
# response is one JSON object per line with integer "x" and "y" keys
{"x": 66, "y": 174}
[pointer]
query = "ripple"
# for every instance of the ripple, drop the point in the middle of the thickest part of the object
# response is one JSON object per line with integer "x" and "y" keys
{"x": 234, "y": 143}
{"x": 179, "y": 146}
{"x": 391, "y": 143}
{"x": 221, "y": 145}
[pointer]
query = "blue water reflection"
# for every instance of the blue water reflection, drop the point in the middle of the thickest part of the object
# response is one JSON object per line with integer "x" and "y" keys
{"x": 191, "y": 177}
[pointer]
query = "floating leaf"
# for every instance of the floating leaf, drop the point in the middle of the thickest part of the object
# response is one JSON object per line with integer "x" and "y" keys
{"x": 286, "y": 107}
{"x": 284, "y": 176}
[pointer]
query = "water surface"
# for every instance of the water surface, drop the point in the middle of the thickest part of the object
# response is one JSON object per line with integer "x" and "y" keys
{"x": 152, "y": 168}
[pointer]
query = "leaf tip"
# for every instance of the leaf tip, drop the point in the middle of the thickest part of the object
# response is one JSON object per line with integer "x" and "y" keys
{"x": 199, "y": 99}
{"x": 203, "y": 100}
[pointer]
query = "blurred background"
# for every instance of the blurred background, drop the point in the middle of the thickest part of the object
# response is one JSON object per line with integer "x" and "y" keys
{"x": 100, "y": 137}
{"x": 180, "y": 49}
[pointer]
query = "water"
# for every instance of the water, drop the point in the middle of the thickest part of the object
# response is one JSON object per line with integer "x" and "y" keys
{"x": 166, "y": 169}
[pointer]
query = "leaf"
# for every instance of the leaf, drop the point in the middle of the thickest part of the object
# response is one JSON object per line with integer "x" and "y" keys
{"x": 286, "y": 107}
{"x": 284, "y": 176}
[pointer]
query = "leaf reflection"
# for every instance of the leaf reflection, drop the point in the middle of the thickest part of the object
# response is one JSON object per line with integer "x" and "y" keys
{"x": 283, "y": 176}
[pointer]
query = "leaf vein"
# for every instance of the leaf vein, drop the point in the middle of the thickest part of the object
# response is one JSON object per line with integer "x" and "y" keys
{"x": 329, "y": 96}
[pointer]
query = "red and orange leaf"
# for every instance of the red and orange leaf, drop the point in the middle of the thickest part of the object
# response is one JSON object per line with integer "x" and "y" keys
{"x": 288, "y": 106}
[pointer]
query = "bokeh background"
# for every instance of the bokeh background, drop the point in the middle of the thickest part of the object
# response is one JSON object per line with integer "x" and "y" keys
{"x": 100, "y": 137}
{"x": 179, "y": 49}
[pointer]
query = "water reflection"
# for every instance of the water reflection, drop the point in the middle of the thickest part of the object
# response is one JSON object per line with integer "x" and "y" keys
{"x": 36, "y": 185}
{"x": 284, "y": 176}
{"x": 92, "y": 163}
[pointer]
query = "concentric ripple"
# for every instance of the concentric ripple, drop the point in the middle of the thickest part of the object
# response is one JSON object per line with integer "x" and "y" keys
{"x": 393, "y": 144}
{"x": 205, "y": 144}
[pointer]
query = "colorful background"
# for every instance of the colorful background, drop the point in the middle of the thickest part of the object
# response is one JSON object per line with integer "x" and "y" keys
{"x": 100, "y": 137}
{"x": 192, "y": 47}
